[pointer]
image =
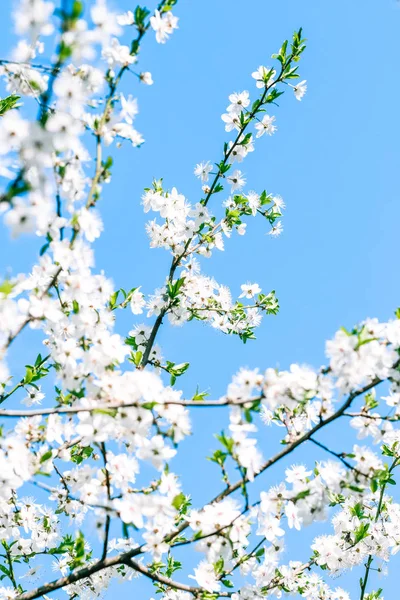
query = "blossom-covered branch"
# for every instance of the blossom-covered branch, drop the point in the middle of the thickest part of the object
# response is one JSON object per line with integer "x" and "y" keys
{"x": 103, "y": 416}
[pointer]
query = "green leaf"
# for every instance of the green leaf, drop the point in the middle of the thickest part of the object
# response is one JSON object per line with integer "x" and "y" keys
{"x": 303, "y": 494}
{"x": 4, "y": 570}
{"x": 111, "y": 412}
{"x": 218, "y": 457}
{"x": 198, "y": 535}
{"x": 174, "y": 288}
{"x": 79, "y": 551}
{"x": 8, "y": 103}
{"x": 113, "y": 300}
{"x": 38, "y": 360}
{"x": 140, "y": 16}
{"x": 66, "y": 545}
{"x": 28, "y": 375}
{"x": 149, "y": 405}
{"x": 108, "y": 163}
{"x": 361, "y": 532}
{"x": 137, "y": 357}
{"x": 179, "y": 501}
{"x": 199, "y": 396}
{"x": 246, "y": 139}
{"x": 46, "y": 456}
{"x": 65, "y": 52}
{"x": 78, "y": 454}
{"x": 386, "y": 451}
{"x": 247, "y": 415}
{"x": 130, "y": 341}
{"x": 219, "y": 566}
{"x": 226, "y": 442}
{"x": 6, "y": 287}
{"x": 77, "y": 10}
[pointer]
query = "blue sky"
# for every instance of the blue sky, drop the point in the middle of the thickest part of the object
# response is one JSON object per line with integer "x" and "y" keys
{"x": 334, "y": 159}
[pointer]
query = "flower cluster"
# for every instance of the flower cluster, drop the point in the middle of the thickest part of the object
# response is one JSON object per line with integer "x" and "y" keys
{"x": 297, "y": 399}
{"x": 46, "y": 159}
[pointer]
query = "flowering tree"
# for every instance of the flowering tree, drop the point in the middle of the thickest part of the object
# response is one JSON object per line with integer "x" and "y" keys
{"x": 102, "y": 414}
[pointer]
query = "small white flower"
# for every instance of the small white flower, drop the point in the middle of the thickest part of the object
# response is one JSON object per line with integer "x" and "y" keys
{"x": 203, "y": 170}
{"x": 126, "y": 18}
{"x": 300, "y": 89}
{"x": 249, "y": 290}
{"x": 137, "y": 302}
{"x": 266, "y": 125}
{"x": 146, "y": 78}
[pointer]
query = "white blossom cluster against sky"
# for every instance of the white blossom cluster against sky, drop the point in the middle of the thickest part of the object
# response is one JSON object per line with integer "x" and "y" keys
{"x": 334, "y": 159}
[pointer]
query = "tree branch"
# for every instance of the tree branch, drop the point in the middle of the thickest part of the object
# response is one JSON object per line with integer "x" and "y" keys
{"x": 67, "y": 410}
